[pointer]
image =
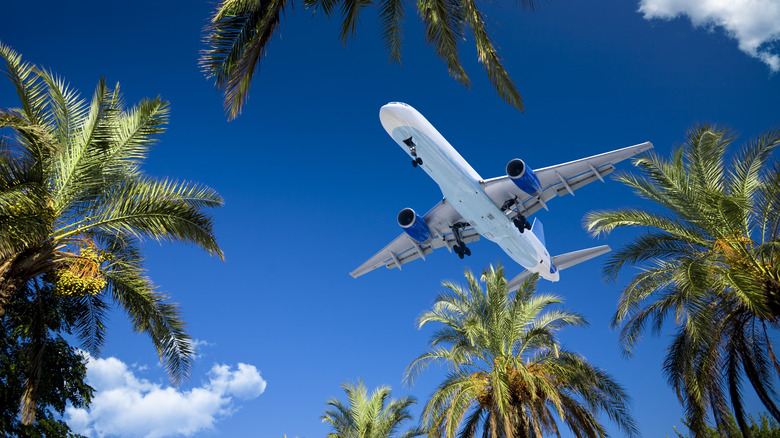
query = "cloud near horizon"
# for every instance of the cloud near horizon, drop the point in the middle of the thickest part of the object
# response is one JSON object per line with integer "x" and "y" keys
{"x": 126, "y": 405}
{"x": 755, "y": 24}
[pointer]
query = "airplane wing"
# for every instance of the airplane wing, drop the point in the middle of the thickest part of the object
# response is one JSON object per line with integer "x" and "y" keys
{"x": 404, "y": 249}
{"x": 560, "y": 180}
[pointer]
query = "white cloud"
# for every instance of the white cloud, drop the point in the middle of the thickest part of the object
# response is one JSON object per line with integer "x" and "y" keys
{"x": 129, "y": 406}
{"x": 755, "y": 24}
{"x": 196, "y": 347}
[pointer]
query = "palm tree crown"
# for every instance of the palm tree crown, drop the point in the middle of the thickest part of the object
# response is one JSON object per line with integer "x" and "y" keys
{"x": 74, "y": 206}
{"x": 377, "y": 416}
{"x": 710, "y": 256}
{"x": 509, "y": 375}
{"x": 240, "y": 31}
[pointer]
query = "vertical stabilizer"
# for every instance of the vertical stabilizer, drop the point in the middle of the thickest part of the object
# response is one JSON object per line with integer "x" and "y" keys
{"x": 538, "y": 230}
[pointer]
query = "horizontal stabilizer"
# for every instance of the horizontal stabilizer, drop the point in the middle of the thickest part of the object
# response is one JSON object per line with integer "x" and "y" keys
{"x": 570, "y": 259}
{"x": 564, "y": 261}
{"x": 515, "y": 282}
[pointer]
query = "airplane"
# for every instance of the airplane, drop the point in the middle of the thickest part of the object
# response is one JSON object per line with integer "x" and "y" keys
{"x": 497, "y": 208}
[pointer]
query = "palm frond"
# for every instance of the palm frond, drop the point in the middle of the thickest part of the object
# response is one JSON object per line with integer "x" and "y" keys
{"x": 444, "y": 20}
{"x": 31, "y": 90}
{"x": 239, "y": 35}
{"x": 150, "y": 313}
{"x": 391, "y": 15}
{"x": 161, "y": 210}
{"x": 489, "y": 58}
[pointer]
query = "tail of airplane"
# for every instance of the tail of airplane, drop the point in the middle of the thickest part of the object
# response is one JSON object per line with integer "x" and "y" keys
{"x": 562, "y": 261}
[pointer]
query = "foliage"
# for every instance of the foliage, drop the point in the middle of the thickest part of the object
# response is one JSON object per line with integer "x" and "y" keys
{"x": 377, "y": 416}
{"x": 33, "y": 328}
{"x": 240, "y": 31}
{"x": 710, "y": 259}
{"x": 765, "y": 427}
{"x": 509, "y": 375}
{"x": 75, "y": 206}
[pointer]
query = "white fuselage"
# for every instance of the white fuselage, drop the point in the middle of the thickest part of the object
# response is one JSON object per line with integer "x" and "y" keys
{"x": 462, "y": 187}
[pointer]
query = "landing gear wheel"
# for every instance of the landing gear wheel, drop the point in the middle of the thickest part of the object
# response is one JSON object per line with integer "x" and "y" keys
{"x": 521, "y": 223}
{"x": 419, "y": 161}
{"x": 458, "y": 251}
{"x": 414, "y": 163}
{"x": 460, "y": 248}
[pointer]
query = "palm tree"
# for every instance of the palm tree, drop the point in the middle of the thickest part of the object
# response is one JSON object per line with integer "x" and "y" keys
{"x": 710, "y": 258}
{"x": 509, "y": 374}
{"x": 241, "y": 29}
{"x": 377, "y": 416}
{"x": 74, "y": 206}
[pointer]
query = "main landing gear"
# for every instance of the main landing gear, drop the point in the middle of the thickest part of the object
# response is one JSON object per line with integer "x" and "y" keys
{"x": 460, "y": 249}
{"x": 416, "y": 161}
{"x": 520, "y": 221}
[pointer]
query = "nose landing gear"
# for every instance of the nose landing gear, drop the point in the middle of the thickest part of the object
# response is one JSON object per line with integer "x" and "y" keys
{"x": 416, "y": 161}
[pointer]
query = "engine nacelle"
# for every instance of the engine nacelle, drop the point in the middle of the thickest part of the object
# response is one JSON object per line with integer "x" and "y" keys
{"x": 414, "y": 225}
{"x": 523, "y": 177}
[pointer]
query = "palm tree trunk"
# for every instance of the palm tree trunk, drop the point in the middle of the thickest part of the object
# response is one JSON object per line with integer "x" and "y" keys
{"x": 17, "y": 270}
{"x": 494, "y": 423}
{"x": 36, "y": 350}
{"x": 8, "y": 284}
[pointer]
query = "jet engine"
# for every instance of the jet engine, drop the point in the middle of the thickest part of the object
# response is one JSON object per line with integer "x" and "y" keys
{"x": 523, "y": 177}
{"x": 414, "y": 225}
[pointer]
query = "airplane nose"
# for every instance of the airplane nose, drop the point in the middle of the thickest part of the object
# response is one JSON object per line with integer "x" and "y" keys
{"x": 393, "y": 115}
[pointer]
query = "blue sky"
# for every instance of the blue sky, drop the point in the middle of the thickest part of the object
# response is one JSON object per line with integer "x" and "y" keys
{"x": 313, "y": 184}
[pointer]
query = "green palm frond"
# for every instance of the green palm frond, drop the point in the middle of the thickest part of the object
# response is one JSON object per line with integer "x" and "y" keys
{"x": 750, "y": 164}
{"x": 350, "y": 10}
{"x": 65, "y": 107}
{"x": 144, "y": 207}
{"x": 391, "y": 15}
{"x": 489, "y": 58}
{"x": 767, "y": 201}
{"x": 708, "y": 260}
{"x": 238, "y": 38}
{"x": 704, "y": 154}
{"x": 133, "y": 134}
{"x": 90, "y": 313}
{"x": 30, "y": 89}
{"x": 150, "y": 313}
{"x": 603, "y": 222}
